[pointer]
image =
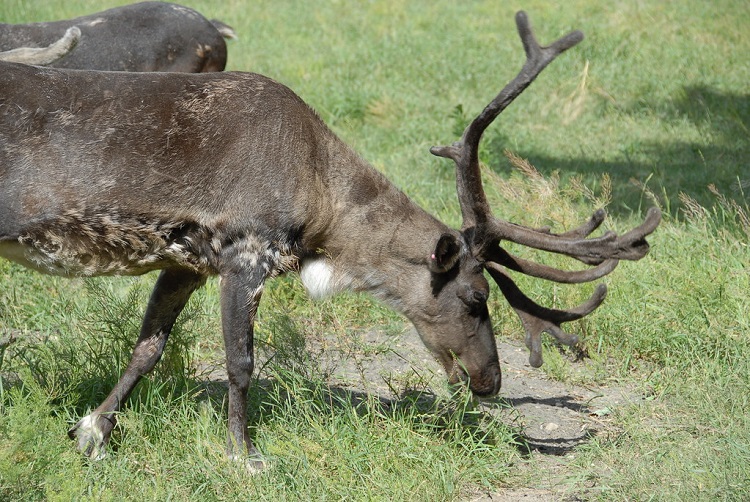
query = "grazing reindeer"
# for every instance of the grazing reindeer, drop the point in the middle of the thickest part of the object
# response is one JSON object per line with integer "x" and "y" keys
{"x": 234, "y": 175}
{"x": 44, "y": 55}
{"x": 148, "y": 36}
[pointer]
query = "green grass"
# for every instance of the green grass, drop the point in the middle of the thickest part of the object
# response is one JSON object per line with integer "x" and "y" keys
{"x": 657, "y": 94}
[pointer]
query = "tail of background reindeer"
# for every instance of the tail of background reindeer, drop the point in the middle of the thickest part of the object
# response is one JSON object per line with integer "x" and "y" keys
{"x": 225, "y": 30}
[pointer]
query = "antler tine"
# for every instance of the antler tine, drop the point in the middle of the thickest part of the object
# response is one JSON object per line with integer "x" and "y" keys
{"x": 537, "y": 319}
{"x": 585, "y": 230}
{"x": 582, "y": 231}
{"x": 464, "y": 153}
{"x": 530, "y": 268}
{"x": 630, "y": 246}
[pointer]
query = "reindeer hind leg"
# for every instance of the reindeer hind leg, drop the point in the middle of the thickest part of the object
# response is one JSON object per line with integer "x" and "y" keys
{"x": 170, "y": 295}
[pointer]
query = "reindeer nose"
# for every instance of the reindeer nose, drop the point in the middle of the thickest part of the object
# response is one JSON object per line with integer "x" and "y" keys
{"x": 498, "y": 381}
{"x": 490, "y": 383}
{"x": 494, "y": 381}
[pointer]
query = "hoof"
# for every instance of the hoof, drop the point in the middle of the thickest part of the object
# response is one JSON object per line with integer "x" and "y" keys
{"x": 89, "y": 438}
{"x": 254, "y": 464}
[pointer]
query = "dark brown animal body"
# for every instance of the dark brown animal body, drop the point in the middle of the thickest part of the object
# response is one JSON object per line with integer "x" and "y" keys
{"x": 148, "y": 36}
{"x": 231, "y": 174}
{"x": 227, "y": 173}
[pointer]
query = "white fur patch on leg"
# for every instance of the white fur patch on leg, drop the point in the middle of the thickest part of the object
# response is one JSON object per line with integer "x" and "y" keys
{"x": 253, "y": 464}
{"x": 89, "y": 438}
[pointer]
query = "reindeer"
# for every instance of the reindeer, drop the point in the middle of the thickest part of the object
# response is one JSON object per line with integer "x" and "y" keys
{"x": 232, "y": 174}
{"x": 44, "y": 55}
{"x": 147, "y": 36}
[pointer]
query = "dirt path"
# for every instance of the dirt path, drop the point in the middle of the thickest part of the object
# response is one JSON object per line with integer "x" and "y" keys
{"x": 555, "y": 417}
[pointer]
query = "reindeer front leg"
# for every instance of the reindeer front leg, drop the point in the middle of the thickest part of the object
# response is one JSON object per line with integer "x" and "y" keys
{"x": 171, "y": 292}
{"x": 241, "y": 289}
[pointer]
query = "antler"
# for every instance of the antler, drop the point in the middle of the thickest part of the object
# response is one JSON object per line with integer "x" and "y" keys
{"x": 487, "y": 232}
{"x": 537, "y": 319}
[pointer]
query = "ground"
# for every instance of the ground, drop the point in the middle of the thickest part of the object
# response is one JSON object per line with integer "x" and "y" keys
{"x": 554, "y": 417}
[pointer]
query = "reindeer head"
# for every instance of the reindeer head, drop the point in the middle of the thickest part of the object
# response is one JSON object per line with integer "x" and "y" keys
{"x": 451, "y": 315}
{"x": 458, "y": 263}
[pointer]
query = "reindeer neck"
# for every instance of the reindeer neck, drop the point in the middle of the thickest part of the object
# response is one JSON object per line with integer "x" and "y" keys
{"x": 374, "y": 233}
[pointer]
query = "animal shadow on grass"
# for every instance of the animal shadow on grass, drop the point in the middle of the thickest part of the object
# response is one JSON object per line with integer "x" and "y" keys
{"x": 278, "y": 390}
{"x": 719, "y": 157}
{"x": 292, "y": 376}
{"x": 419, "y": 410}
{"x": 566, "y": 439}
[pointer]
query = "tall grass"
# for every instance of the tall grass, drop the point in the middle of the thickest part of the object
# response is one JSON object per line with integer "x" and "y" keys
{"x": 652, "y": 108}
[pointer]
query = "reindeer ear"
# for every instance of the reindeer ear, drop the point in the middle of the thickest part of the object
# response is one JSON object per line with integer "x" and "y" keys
{"x": 446, "y": 254}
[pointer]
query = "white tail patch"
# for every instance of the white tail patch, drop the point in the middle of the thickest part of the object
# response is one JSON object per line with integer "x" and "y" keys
{"x": 319, "y": 278}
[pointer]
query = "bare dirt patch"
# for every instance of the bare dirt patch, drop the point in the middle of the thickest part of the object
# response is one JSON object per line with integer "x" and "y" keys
{"x": 554, "y": 417}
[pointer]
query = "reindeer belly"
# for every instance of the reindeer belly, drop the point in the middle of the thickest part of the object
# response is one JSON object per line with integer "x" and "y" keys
{"x": 76, "y": 244}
